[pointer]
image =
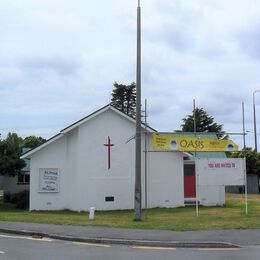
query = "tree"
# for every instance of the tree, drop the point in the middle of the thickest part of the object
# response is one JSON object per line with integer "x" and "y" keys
{"x": 204, "y": 123}
{"x": 10, "y": 152}
{"x": 33, "y": 141}
{"x": 124, "y": 98}
{"x": 252, "y": 160}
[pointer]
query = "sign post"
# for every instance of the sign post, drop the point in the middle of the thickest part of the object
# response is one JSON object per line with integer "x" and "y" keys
{"x": 245, "y": 186}
{"x": 197, "y": 191}
{"x": 220, "y": 172}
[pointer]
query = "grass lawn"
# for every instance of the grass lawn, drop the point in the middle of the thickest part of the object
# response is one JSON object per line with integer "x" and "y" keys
{"x": 232, "y": 215}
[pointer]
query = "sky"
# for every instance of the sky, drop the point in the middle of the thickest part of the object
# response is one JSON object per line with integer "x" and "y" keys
{"x": 59, "y": 60}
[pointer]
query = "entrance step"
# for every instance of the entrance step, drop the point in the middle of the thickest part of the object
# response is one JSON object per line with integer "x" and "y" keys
{"x": 189, "y": 203}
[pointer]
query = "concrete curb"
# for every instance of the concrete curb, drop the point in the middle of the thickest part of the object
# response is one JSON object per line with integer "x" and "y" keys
{"x": 118, "y": 241}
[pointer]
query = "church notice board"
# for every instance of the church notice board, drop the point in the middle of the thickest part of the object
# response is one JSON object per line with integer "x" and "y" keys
{"x": 49, "y": 180}
{"x": 211, "y": 172}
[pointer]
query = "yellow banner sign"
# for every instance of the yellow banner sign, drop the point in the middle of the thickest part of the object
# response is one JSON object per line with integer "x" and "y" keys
{"x": 191, "y": 144}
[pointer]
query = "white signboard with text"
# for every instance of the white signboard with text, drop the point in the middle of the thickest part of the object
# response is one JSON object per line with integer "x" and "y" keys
{"x": 49, "y": 180}
{"x": 215, "y": 171}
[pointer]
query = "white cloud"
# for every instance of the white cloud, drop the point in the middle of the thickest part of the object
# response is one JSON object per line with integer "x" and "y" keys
{"x": 59, "y": 59}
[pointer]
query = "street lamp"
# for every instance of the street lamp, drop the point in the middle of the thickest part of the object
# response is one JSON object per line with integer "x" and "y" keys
{"x": 255, "y": 119}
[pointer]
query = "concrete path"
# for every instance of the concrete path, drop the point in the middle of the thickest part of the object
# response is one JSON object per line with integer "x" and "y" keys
{"x": 218, "y": 238}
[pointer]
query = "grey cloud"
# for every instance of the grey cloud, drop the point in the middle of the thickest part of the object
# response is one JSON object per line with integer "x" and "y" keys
{"x": 176, "y": 36}
{"x": 175, "y": 27}
{"x": 249, "y": 41}
{"x": 8, "y": 81}
{"x": 60, "y": 65}
{"x": 178, "y": 9}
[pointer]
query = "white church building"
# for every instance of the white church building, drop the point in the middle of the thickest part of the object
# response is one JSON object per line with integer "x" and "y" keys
{"x": 91, "y": 164}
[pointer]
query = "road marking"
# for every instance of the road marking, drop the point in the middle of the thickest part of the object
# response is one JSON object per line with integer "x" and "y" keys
{"x": 27, "y": 238}
{"x": 154, "y": 248}
{"x": 2, "y": 252}
{"x": 219, "y": 249}
{"x": 253, "y": 246}
{"x": 40, "y": 239}
{"x": 90, "y": 244}
{"x": 6, "y": 236}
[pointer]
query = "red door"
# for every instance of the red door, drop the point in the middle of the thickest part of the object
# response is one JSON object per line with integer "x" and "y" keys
{"x": 189, "y": 181}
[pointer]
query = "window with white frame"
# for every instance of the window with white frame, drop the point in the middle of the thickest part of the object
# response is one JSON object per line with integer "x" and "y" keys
{"x": 24, "y": 177}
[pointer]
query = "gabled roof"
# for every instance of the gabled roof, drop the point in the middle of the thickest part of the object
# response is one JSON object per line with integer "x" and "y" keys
{"x": 99, "y": 111}
{"x": 80, "y": 122}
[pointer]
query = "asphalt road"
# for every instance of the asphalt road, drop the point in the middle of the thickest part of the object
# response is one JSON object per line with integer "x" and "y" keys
{"x": 28, "y": 248}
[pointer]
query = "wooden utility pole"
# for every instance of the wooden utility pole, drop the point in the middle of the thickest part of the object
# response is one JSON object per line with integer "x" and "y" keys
{"x": 138, "y": 189}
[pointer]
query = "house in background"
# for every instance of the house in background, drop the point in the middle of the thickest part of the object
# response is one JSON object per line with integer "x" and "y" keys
{"x": 20, "y": 182}
{"x": 253, "y": 185}
{"x": 1, "y": 182}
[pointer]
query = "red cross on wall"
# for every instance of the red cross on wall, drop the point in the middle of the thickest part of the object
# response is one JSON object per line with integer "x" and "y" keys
{"x": 109, "y": 145}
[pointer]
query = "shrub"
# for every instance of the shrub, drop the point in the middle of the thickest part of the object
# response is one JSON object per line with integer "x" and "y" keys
{"x": 7, "y": 197}
{"x": 20, "y": 199}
